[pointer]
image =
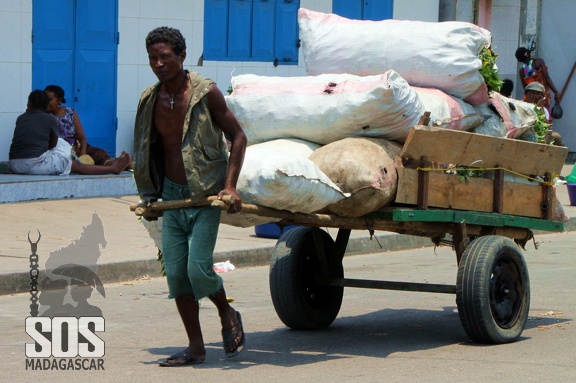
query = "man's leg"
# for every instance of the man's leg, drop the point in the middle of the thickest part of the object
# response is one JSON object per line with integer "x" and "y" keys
{"x": 227, "y": 314}
{"x": 189, "y": 311}
{"x": 203, "y": 278}
{"x": 175, "y": 249}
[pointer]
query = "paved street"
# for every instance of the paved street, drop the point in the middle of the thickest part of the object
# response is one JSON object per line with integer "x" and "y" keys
{"x": 378, "y": 336}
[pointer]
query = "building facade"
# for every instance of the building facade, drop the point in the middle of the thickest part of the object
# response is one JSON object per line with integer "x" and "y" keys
{"x": 95, "y": 49}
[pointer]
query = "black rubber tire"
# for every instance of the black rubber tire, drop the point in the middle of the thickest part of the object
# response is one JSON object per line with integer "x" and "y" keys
{"x": 300, "y": 302}
{"x": 493, "y": 290}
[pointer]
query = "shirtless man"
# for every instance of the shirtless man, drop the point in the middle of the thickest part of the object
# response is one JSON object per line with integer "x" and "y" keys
{"x": 181, "y": 153}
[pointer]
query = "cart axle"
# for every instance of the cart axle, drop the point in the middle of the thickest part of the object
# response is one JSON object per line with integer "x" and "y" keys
{"x": 389, "y": 285}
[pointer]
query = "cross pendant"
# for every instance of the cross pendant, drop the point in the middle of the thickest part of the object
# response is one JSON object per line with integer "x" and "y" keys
{"x": 171, "y": 102}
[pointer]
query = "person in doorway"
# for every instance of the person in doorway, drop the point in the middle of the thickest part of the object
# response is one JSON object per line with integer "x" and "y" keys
{"x": 535, "y": 70}
{"x": 70, "y": 128}
{"x": 181, "y": 153}
{"x": 535, "y": 93}
{"x": 36, "y": 148}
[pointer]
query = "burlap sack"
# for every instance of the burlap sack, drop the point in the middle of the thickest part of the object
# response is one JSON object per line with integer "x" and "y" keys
{"x": 363, "y": 167}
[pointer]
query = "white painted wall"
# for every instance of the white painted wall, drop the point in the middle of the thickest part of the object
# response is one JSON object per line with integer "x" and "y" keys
{"x": 505, "y": 27}
{"x": 15, "y": 66}
{"x": 557, "y": 46}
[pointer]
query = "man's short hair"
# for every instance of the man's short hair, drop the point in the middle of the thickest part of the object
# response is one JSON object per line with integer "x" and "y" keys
{"x": 536, "y": 87}
{"x": 521, "y": 53}
{"x": 167, "y": 35}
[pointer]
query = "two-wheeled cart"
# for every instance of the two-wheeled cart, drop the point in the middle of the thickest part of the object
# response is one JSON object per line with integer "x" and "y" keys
{"x": 487, "y": 221}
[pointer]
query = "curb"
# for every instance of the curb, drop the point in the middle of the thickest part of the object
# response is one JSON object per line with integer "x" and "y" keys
{"x": 16, "y": 283}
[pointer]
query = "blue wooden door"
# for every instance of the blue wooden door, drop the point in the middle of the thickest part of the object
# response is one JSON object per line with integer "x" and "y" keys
{"x": 364, "y": 9}
{"x": 76, "y": 48}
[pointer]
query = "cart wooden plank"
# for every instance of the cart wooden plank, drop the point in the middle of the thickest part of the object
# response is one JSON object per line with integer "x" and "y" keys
{"x": 449, "y": 192}
{"x": 457, "y": 147}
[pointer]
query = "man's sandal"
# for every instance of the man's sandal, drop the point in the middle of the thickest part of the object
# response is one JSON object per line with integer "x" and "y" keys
{"x": 233, "y": 346}
{"x": 182, "y": 358}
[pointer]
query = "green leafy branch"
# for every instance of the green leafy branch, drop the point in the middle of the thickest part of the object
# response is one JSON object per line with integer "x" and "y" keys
{"x": 540, "y": 126}
{"x": 489, "y": 71}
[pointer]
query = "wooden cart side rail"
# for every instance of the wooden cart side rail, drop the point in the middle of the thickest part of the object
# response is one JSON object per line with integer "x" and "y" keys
{"x": 464, "y": 148}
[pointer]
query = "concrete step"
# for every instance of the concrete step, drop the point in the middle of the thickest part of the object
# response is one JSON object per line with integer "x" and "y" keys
{"x": 19, "y": 188}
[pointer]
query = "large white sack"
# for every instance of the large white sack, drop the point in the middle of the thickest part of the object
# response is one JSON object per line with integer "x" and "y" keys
{"x": 363, "y": 167}
{"x": 441, "y": 55}
{"x": 294, "y": 147}
{"x": 325, "y": 108}
{"x": 448, "y": 111}
{"x": 285, "y": 181}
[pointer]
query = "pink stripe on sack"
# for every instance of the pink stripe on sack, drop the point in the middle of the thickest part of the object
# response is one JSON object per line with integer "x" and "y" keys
{"x": 498, "y": 103}
{"x": 479, "y": 97}
{"x": 348, "y": 86}
{"x": 456, "y": 111}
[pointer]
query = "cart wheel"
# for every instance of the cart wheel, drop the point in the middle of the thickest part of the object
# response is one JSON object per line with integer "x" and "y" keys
{"x": 493, "y": 290}
{"x": 300, "y": 302}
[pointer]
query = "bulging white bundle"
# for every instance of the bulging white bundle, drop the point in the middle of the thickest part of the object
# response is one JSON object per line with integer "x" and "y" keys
{"x": 285, "y": 181}
{"x": 284, "y": 150}
{"x": 325, "y": 108}
{"x": 436, "y": 55}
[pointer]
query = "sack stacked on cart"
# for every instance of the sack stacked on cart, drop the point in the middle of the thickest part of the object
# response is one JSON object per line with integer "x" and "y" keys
{"x": 450, "y": 112}
{"x": 325, "y": 108}
{"x": 443, "y": 55}
{"x": 363, "y": 167}
{"x": 278, "y": 174}
{"x": 508, "y": 118}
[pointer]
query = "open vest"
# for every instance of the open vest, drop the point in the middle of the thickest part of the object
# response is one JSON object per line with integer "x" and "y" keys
{"x": 204, "y": 150}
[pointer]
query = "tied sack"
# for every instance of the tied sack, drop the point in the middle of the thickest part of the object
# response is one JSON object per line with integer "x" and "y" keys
{"x": 284, "y": 181}
{"x": 442, "y": 55}
{"x": 517, "y": 116}
{"x": 449, "y": 112}
{"x": 292, "y": 147}
{"x": 364, "y": 167}
{"x": 325, "y": 108}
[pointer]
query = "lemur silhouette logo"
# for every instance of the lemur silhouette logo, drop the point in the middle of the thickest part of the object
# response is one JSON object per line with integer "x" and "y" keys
{"x": 63, "y": 324}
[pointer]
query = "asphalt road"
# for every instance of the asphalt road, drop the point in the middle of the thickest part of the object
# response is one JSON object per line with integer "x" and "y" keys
{"x": 379, "y": 336}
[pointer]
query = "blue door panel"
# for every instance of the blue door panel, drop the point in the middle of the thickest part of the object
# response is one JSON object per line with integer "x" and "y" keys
{"x": 96, "y": 25}
{"x": 351, "y": 9}
{"x": 378, "y": 10}
{"x": 287, "y": 31}
{"x": 96, "y": 86}
{"x": 53, "y": 44}
{"x": 76, "y": 48}
{"x": 53, "y": 67}
{"x": 50, "y": 29}
{"x": 215, "y": 29}
{"x": 96, "y": 66}
{"x": 239, "y": 35}
{"x": 264, "y": 16}
{"x": 364, "y": 9}
{"x": 251, "y": 30}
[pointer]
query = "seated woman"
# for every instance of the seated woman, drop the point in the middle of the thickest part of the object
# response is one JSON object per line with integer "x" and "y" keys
{"x": 37, "y": 149}
{"x": 70, "y": 127}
